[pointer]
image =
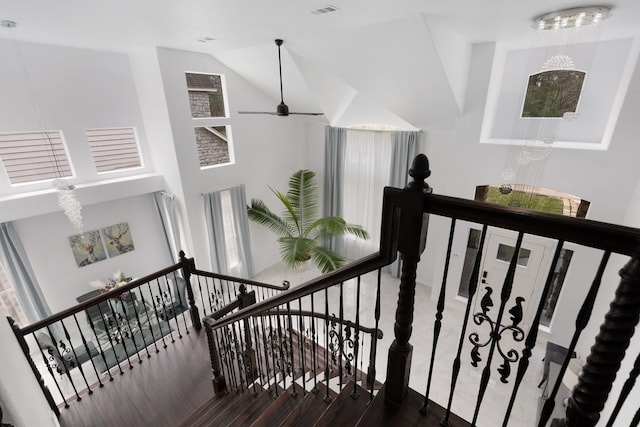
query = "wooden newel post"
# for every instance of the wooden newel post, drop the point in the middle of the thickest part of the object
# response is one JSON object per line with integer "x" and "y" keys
{"x": 219, "y": 383}
{"x": 189, "y": 266}
{"x": 598, "y": 374}
{"x": 411, "y": 242}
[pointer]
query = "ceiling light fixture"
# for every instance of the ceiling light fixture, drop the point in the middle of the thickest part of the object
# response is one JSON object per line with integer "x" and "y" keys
{"x": 572, "y": 18}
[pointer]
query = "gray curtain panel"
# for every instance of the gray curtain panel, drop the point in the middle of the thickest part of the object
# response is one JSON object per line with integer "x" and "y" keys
{"x": 167, "y": 212}
{"x": 215, "y": 227}
{"x": 406, "y": 145}
{"x": 335, "y": 140}
{"x": 19, "y": 272}
{"x": 241, "y": 224}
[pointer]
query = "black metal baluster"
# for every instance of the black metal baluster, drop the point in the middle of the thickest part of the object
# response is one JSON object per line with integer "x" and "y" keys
{"x": 133, "y": 336}
{"x": 206, "y": 285}
{"x": 266, "y": 353}
{"x": 301, "y": 341}
{"x": 163, "y": 308}
{"x": 327, "y": 399}
{"x": 106, "y": 322}
{"x": 356, "y": 339}
{"x": 86, "y": 348}
{"x": 172, "y": 309}
{"x": 237, "y": 342}
{"x": 473, "y": 285}
{"x": 504, "y": 298}
{"x": 256, "y": 337}
{"x": 146, "y": 312}
{"x": 294, "y": 392}
{"x": 49, "y": 367}
{"x": 119, "y": 337}
{"x": 438, "y": 322}
{"x": 73, "y": 361}
{"x": 178, "y": 298}
{"x": 532, "y": 337}
{"x": 272, "y": 349}
{"x": 581, "y": 322}
{"x": 371, "y": 371}
{"x": 636, "y": 419}
{"x": 158, "y": 317}
{"x": 314, "y": 346}
{"x": 63, "y": 369}
{"x": 341, "y": 349}
{"x": 281, "y": 339}
{"x": 104, "y": 358}
{"x": 129, "y": 332}
{"x": 230, "y": 354}
{"x": 224, "y": 347}
{"x": 626, "y": 389}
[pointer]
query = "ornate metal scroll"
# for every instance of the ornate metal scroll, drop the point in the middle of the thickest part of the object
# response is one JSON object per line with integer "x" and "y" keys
{"x": 341, "y": 345}
{"x": 509, "y": 356}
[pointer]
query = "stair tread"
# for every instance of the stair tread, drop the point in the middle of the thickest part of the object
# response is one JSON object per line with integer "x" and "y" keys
{"x": 233, "y": 410}
{"x": 258, "y": 405}
{"x": 311, "y": 407}
{"x": 205, "y": 411}
{"x": 345, "y": 410}
{"x": 383, "y": 413}
{"x": 278, "y": 410}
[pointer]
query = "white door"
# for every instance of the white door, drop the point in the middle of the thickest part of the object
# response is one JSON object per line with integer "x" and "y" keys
{"x": 533, "y": 264}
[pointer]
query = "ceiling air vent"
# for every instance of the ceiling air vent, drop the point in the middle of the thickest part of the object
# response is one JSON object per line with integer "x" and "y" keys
{"x": 324, "y": 9}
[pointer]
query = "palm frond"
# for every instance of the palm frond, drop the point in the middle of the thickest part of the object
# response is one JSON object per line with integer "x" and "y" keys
{"x": 326, "y": 259}
{"x": 303, "y": 197}
{"x": 335, "y": 226}
{"x": 295, "y": 251}
{"x": 289, "y": 214}
{"x": 261, "y": 214}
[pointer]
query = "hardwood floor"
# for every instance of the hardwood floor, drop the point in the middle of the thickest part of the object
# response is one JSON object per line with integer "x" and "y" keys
{"x": 161, "y": 391}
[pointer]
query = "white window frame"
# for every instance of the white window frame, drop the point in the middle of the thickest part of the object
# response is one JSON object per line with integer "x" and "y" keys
{"x": 134, "y": 132}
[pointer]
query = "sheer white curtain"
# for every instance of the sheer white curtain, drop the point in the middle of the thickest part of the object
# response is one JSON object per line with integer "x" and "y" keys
{"x": 366, "y": 172}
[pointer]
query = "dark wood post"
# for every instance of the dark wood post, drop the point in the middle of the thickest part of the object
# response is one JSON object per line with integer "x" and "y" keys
{"x": 411, "y": 241}
{"x": 598, "y": 374}
{"x": 247, "y": 299}
{"x": 219, "y": 383}
{"x": 189, "y": 266}
{"x": 25, "y": 350}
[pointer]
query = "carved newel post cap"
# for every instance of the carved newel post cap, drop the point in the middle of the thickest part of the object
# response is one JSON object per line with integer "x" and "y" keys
{"x": 419, "y": 171}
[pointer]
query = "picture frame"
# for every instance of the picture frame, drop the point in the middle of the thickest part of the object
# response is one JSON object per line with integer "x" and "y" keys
{"x": 117, "y": 239}
{"x": 87, "y": 248}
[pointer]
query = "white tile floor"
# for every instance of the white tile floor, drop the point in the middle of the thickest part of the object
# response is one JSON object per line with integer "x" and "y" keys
{"x": 493, "y": 408}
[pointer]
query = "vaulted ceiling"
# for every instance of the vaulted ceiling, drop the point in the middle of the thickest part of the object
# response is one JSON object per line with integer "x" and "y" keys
{"x": 402, "y": 62}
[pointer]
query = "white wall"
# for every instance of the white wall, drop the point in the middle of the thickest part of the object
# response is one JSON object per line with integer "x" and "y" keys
{"x": 60, "y": 88}
{"x": 268, "y": 149}
{"x": 45, "y": 240}
{"x": 22, "y": 400}
{"x": 459, "y": 163}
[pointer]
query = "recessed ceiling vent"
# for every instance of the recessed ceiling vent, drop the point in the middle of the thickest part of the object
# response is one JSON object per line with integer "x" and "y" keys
{"x": 324, "y": 9}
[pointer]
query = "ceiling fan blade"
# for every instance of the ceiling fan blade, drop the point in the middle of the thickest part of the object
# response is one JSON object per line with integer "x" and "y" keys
{"x": 282, "y": 109}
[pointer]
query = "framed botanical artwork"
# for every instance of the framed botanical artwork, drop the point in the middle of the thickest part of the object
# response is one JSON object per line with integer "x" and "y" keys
{"x": 87, "y": 248}
{"x": 568, "y": 96}
{"x": 117, "y": 239}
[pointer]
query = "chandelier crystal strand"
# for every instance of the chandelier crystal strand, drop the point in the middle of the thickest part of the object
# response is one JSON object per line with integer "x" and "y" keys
{"x": 68, "y": 201}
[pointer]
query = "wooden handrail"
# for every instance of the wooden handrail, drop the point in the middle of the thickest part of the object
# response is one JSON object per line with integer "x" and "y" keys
{"x": 98, "y": 299}
{"x": 595, "y": 234}
{"x": 282, "y": 287}
{"x": 378, "y": 332}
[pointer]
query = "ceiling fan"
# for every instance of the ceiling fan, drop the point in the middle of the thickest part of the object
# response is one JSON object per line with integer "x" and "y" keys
{"x": 282, "y": 109}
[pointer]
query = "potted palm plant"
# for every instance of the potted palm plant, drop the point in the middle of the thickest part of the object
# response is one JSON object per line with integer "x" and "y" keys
{"x": 299, "y": 228}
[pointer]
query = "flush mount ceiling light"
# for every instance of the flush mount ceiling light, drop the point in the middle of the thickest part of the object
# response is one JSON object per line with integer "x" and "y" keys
{"x": 572, "y": 18}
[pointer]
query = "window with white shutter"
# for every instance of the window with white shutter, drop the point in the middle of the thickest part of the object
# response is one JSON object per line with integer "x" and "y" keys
{"x": 34, "y": 156}
{"x": 114, "y": 149}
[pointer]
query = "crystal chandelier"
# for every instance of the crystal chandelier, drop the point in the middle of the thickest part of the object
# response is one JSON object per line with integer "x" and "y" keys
{"x": 68, "y": 201}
